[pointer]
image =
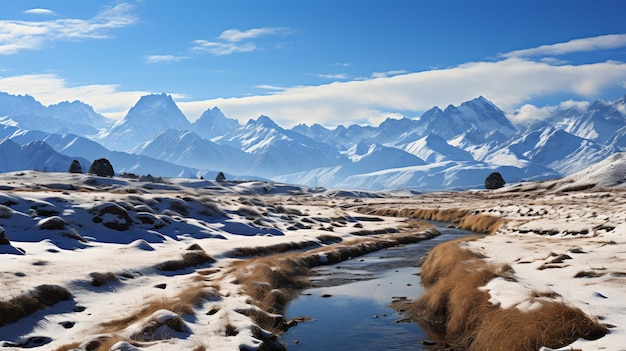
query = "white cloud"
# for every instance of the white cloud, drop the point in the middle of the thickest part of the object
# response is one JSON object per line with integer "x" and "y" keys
{"x": 269, "y": 87}
{"x": 51, "y": 89}
{"x": 330, "y": 76}
{"x": 230, "y": 40}
{"x": 164, "y": 58}
{"x": 219, "y": 48}
{"x": 508, "y": 83}
{"x": 39, "y": 11}
{"x": 603, "y": 42}
{"x": 388, "y": 73}
{"x": 31, "y": 35}
{"x": 530, "y": 112}
{"x": 235, "y": 35}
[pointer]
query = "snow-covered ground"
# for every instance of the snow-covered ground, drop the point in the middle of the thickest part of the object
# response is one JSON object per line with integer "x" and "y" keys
{"x": 117, "y": 232}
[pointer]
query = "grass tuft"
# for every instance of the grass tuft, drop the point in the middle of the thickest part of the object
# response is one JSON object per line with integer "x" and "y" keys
{"x": 455, "y": 311}
{"x": 41, "y": 297}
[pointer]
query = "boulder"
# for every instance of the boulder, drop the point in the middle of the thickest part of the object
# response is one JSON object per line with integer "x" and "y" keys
{"x": 52, "y": 223}
{"x": 3, "y": 238}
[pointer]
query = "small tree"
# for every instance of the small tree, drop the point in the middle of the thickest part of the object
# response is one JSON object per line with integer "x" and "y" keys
{"x": 220, "y": 177}
{"x": 75, "y": 167}
{"x": 102, "y": 168}
{"x": 494, "y": 181}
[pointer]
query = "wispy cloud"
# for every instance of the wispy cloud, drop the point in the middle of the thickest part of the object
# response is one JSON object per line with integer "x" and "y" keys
{"x": 388, "y": 73}
{"x": 164, "y": 58}
{"x": 16, "y": 36}
{"x": 40, "y": 11}
{"x": 603, "y": 42}
{"x": 234, "y": 40}
{"x": 235, "y": 35}
{"x": 341, "y": 76}
{"x": 269, "y": 87}
{"x": 51, "y": 89}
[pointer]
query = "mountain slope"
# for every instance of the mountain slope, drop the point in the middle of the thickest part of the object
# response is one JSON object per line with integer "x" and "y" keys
{"x": 277, "y": 151}
{"x": 212, "y": 123}
{"x": 151, "y": 115}
{"x": 185, "y": 148}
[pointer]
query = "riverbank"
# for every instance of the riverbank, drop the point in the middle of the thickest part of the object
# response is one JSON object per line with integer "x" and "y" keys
{"x": 556, "y": 259}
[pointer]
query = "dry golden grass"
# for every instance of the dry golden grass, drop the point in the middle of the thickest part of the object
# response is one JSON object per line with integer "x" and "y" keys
{"x": 68, "y": 347}
{"x": 100, "y": 279}
{"x": 455, "y": 311}
{"x": 462, "y": 218}
{"x": 272, "y": 249}
{"x": 183, "y": 303}
{"x": 273, "y": 281}
{"x": 41, "y": 297}
{"x": 194, "y": 257}
{"x": 481, "y": 223}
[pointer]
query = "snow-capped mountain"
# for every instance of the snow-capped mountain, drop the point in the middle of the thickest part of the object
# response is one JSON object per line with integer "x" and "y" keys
{"x": 78, "y": 117}
{"x": 601, "y": 120}
{"x": 186, "y": 148}
{"x": 276, "y": 151}
{"x": 65, "y": 117}
{"x": 151, "y": 115}
{"x": 213, "y": 123}
{"x": 451, "y": 148}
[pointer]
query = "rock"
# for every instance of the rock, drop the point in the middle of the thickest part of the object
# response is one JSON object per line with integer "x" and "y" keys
{"x": 102, "y": 168}
{"x": 51, "y": 223}
{"x": 220, "y": 177}
{"x": 112, "y": 215}
{"x": 5, "y": 211}
{"x": 494, "y": 181}
{"x": 3, "y": 238}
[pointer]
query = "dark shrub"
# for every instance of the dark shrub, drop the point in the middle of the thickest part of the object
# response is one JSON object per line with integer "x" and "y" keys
{"x": 102, "y": 168}
{"x": 75, "y": 167}
{"x": 494, "y": 181}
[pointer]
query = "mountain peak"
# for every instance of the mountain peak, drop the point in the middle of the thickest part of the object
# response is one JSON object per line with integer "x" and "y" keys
{"x": 214, "y": 123}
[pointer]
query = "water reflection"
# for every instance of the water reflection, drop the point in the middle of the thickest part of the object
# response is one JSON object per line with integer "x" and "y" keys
{"x": 356, "y": 315}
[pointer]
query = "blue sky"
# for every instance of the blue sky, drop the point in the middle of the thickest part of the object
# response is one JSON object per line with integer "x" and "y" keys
{"x": 329, "y": 62}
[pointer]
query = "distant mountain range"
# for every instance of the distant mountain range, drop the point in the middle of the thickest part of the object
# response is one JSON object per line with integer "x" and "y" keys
{"x": 455, "y": 147}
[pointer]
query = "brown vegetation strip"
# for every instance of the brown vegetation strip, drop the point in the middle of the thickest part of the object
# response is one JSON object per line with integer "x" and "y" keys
{"x": 273, "y": 281}
{"x": 454, "y": 311}
{"x": 463, "y": 219}
{"x": 41, "y": 297}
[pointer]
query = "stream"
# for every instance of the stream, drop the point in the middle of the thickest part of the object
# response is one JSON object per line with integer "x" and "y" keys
{"x": 348, "y": 302}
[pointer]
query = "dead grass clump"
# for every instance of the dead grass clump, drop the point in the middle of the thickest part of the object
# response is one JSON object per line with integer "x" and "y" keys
{"x": 183, "y": 303}
{"x": 329, "y": 239}
{"x": 269, "y": 321}
{"x": 248, "y": 212}
{"x": 554, "y": 325}
{"x": 288, "y": 210}
{"x": 454, "y": 309}
{"x": 212, "y": 209}
{"x": 189, "y": 259}
{"x": 160, "y": 326}
{"x": 272, "y": 249}
{"x": 41, "y": 297}
{"x": 100, "y": 279}
{"x": 68, "y": 347}
{"x": 481, "y": 223}
{"x": 443, "y": 258}
{"x": 272, "y": 282}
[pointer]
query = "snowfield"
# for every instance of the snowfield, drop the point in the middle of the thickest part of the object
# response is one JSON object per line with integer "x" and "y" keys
{"x": 152, "y": 265}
